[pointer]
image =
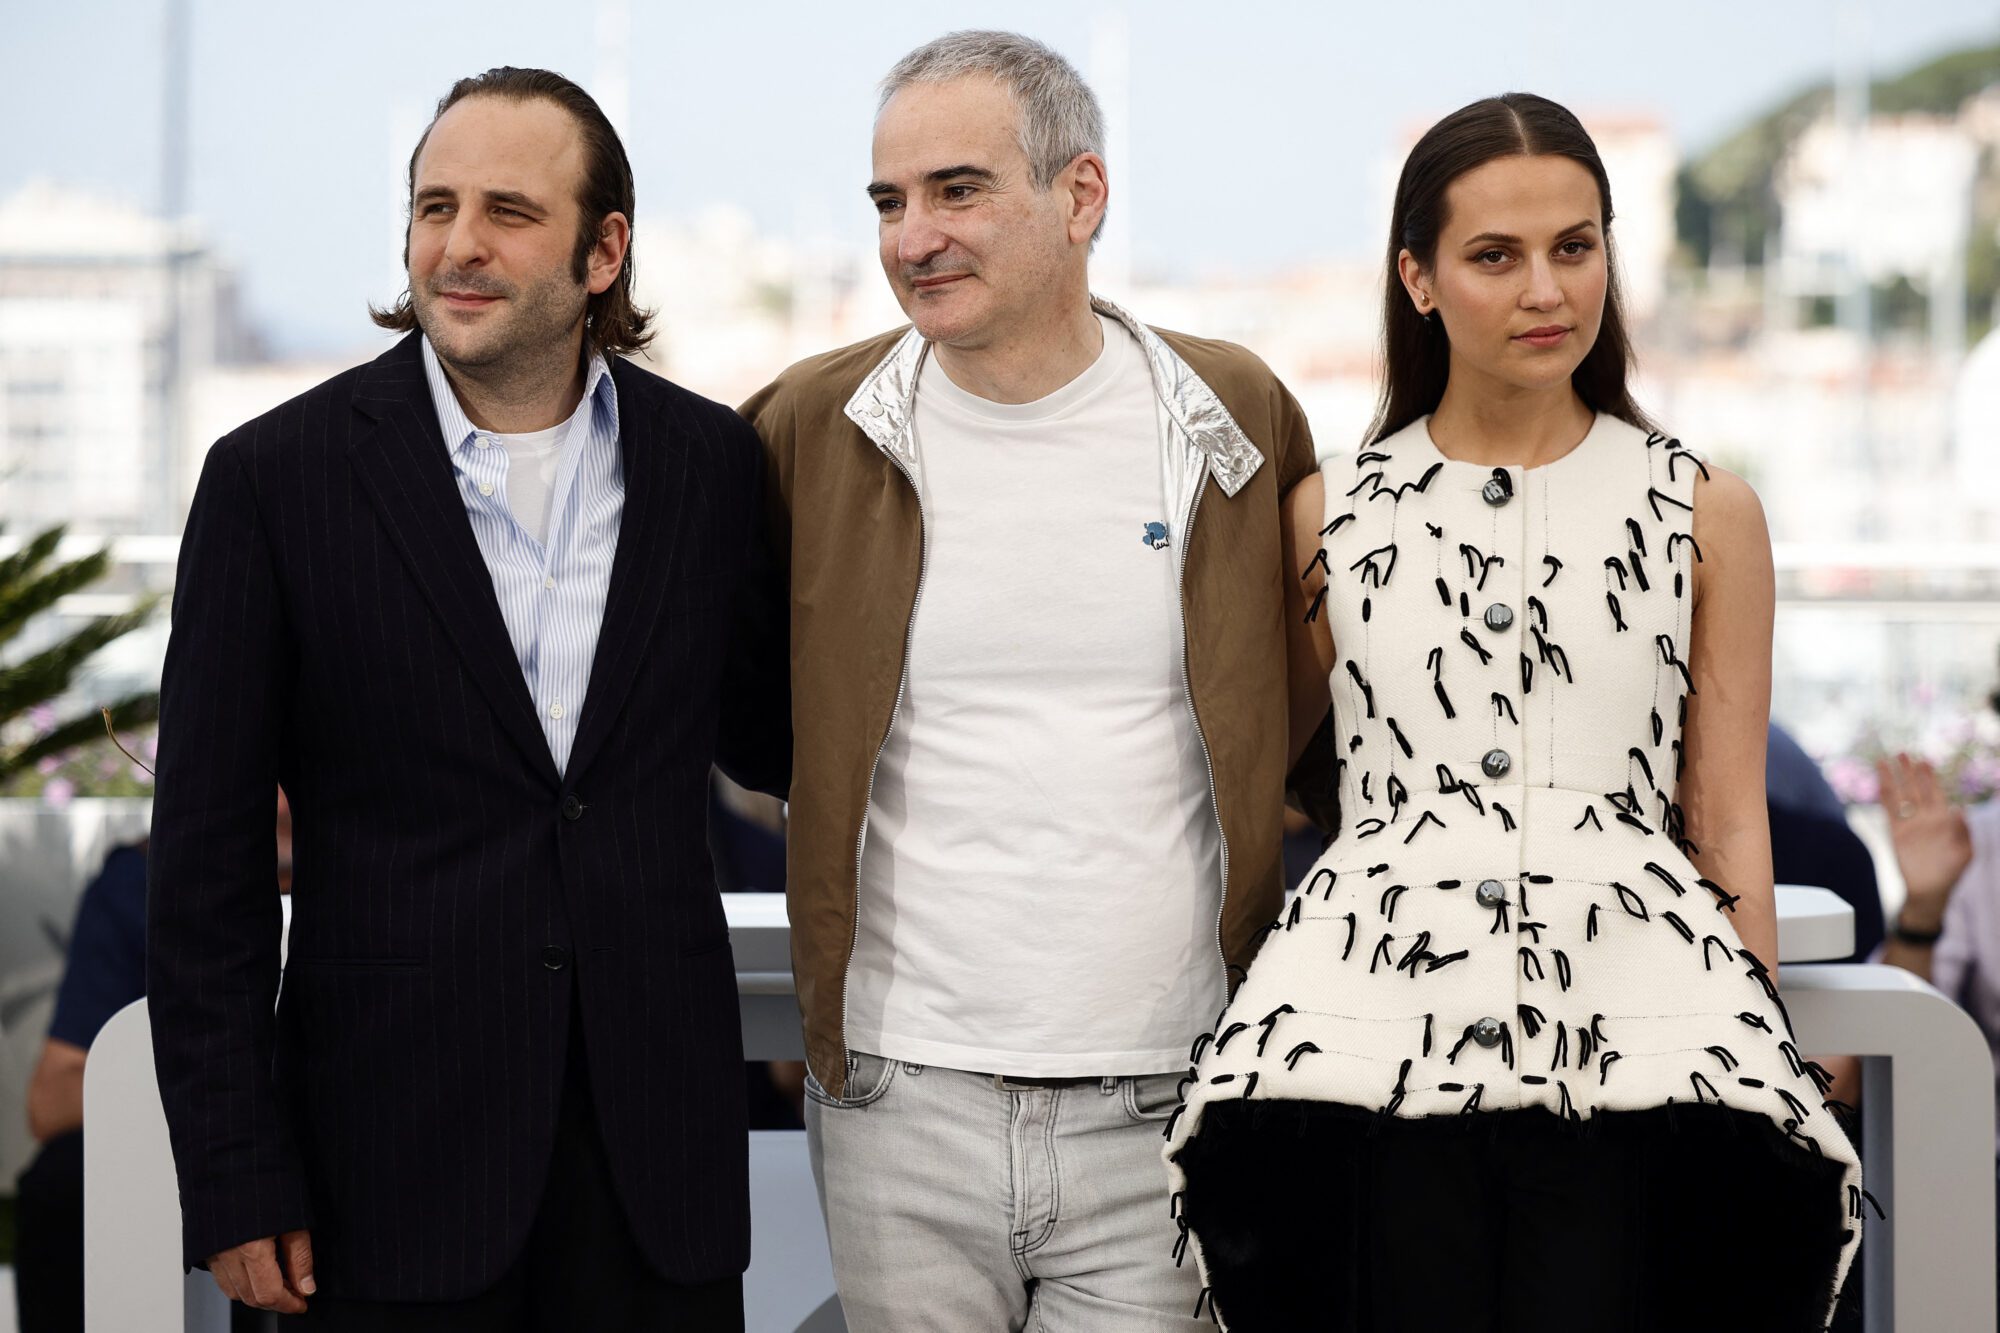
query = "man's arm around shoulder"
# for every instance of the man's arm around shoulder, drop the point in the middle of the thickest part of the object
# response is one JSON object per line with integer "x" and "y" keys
{"x": 754, "y": 742}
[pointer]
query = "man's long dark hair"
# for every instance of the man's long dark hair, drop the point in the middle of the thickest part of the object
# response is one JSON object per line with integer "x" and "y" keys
{"x": 1415, "y": 351}
{"x": 618, "y": 325}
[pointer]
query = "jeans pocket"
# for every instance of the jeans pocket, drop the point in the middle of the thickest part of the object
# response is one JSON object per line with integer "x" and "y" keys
{"x": 1152, "y": 1096}
{"x": 868, "y": 1077}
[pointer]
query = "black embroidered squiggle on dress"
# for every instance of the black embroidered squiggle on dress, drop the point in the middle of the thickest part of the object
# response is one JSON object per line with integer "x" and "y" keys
{"x": 1508, "y": 923}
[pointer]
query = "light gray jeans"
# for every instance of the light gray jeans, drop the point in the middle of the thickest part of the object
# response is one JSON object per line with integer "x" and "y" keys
{"x": 962, "y": 1203}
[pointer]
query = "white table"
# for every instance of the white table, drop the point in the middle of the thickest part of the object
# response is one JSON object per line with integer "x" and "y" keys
{"x": 1928, "y": 1142}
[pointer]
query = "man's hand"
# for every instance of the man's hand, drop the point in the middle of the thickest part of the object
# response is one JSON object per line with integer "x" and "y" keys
{"x": 1933, "y": 845}
{"x": 251, "y": 1272}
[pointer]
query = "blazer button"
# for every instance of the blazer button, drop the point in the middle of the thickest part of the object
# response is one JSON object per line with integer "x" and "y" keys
{"x": 1487, "y": 1032}
{"x": 554, "y": 957}
{"x": 1496, "y": 763}
{"x": 1490, "y": 893}
{"x": 1499, "y": 616}
{"x": 572, "y": 807}
{"x": 1498, "y": 490}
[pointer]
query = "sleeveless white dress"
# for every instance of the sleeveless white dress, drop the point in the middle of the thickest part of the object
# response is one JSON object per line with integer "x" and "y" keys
{"x": 1508, "y": 918}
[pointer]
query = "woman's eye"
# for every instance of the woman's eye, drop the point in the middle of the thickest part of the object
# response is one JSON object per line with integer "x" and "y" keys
{"x": 1490, "y": 257}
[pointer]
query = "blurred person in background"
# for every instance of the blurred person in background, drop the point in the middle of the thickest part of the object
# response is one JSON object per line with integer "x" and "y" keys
{"x": 490, "y": 606}
{"x": 1040, "y": 671}
{"x": 104, "y": 970}
{"x": 1812, "y": 843}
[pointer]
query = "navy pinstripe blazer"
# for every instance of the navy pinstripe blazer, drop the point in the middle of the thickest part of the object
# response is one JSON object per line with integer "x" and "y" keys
{"x": 335, "y": 629}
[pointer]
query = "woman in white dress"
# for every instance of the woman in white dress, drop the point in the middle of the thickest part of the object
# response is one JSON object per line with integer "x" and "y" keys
{"x": 1514, "y": 1058}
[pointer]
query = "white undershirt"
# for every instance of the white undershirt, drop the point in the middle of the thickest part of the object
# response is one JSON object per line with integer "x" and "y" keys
{"x": 1040, "y": 879}
{"x": 532, "y": 462}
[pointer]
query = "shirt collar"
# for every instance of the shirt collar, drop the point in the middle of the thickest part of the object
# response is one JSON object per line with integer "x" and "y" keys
{"x": 599, "y": 390}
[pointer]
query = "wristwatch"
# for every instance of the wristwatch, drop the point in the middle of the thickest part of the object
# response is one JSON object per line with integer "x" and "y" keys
{"x": 1908, "y": 936}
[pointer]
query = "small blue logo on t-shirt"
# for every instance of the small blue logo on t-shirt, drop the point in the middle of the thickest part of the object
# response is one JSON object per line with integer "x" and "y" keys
{"x": 1156, "y": 536}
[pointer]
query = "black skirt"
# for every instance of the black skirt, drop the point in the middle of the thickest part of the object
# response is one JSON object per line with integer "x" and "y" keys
{"x": 1319, "y": 1216}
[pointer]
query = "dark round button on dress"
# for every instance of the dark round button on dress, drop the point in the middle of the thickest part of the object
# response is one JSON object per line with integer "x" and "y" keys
{"x": 1490, "y": 893}
{"x": 1499, "y": 616}
{"x": 1496, "y": 763}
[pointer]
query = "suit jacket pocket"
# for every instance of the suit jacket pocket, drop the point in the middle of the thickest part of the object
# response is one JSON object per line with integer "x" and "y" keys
{"x": 712, "y": 944}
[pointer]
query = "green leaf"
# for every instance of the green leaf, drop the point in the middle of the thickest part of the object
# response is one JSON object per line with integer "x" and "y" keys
{"x": 47, "y": 673}
{"x": 21, "y": 601}
{"x": 30, "y": 557}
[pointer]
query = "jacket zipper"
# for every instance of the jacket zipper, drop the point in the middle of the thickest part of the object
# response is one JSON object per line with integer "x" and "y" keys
{"x": 868, "y": 797}
{"x": 1207, "y": 760}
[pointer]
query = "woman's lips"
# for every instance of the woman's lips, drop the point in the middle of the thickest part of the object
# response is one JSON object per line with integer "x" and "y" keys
{"x": 1547, "y": 336}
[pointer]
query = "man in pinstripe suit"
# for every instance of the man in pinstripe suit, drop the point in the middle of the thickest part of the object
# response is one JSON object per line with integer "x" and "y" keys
{"x": 488, "y": 607}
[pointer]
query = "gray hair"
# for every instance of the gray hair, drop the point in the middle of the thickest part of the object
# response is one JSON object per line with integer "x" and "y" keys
{"x": 1060, "y": 117}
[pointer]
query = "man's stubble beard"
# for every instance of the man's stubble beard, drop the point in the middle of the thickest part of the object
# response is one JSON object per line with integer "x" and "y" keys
{"x": 535, "y": 330}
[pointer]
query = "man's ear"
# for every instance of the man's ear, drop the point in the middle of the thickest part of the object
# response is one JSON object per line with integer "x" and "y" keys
{"x": 607, "y": 257}
{"x": 1089, "y": 192}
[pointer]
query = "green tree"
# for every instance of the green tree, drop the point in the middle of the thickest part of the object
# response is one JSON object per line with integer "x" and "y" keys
{"x": 30, "y": 585}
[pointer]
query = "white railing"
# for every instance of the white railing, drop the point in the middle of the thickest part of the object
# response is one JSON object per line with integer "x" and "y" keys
{"x": 1928, "y": 1143}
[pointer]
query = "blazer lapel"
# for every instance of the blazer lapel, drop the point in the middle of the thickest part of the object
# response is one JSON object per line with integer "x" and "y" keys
{"x": 655, "y": 480}
{"x": 403, "y": 466}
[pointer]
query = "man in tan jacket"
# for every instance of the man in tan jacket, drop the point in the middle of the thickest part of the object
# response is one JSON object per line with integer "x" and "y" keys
{"x": 1040, "y": 703}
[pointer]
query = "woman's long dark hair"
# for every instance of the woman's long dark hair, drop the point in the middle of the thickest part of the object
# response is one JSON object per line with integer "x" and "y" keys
{"x": 1415, "y": 351}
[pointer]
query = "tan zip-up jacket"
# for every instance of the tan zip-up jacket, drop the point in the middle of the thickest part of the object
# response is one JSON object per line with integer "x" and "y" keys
{"x": 844, "y": 493}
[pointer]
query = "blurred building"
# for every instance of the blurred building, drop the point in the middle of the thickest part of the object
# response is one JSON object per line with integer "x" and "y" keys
{"x": 1884, "y": 200}
{"x": 735, "y": 306}
{"x": 1641, "y": 160}
{"x": 106, "y": 315}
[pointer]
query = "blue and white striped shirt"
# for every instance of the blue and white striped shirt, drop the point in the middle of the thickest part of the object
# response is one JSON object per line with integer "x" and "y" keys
{"x": 551, "y": 595}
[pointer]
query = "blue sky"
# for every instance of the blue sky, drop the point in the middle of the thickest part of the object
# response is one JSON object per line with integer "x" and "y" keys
{"x": 1256, "y": 126}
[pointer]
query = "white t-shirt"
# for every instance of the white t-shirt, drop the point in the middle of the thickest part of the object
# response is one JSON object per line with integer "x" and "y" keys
{"x": 1040, "y": 877}
{"x": 532, "y": 461}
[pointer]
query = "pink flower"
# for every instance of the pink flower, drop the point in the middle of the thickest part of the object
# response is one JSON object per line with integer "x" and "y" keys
{"x": 48, "y": 764}
{"x": 58, "y": 792}
{"x": 43, "y": 717}
{"x": 1852, "y": 780}
{"x": 1980, "y": 776}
